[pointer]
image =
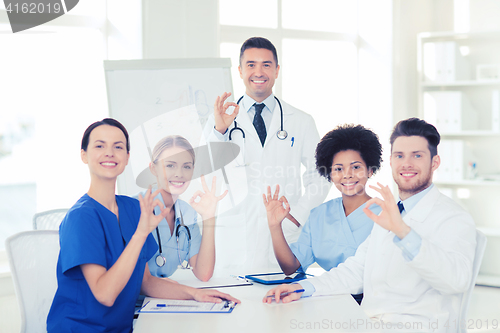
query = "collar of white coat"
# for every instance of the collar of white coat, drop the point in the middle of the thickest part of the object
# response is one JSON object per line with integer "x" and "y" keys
{"x": 247, "y": 102}
{"x": 423, "y": 208}
{"x": 412, "y": 201}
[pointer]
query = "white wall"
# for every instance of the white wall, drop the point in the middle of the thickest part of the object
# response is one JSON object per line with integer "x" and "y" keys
{"x": 484, "y": 14}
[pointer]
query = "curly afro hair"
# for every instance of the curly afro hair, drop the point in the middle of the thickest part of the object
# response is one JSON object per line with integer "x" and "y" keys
{"x": 348, "y": 137}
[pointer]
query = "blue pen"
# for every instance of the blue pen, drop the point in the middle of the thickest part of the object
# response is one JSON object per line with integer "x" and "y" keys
{"x": 293, "y": 140}
{"x": 288, "y": 293}
{"x": 161, "y": 305}
{"x": 239, "y": 277}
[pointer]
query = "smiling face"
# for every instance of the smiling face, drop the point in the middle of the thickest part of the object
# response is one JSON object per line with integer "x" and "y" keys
{"x": 349, "y": 173}
{"x": 106, "y": 153}
{"x": 412, "y": 165}
{"x": 173, "y": 170}
{"x": 259, "y": 70}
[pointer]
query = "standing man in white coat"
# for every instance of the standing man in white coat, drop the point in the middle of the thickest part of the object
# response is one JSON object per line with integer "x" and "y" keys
{"x": 275, "y": 139}
{"x": 416, "y": 265}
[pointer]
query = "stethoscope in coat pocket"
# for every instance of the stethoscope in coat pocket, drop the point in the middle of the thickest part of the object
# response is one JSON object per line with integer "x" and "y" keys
{"x": 281, "y": 134}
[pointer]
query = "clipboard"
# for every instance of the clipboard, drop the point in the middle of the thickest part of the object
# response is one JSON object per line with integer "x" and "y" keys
{"x": 213, "y": 283}
{"x": 278, "y": 278}
{"x": 158, "y": 305}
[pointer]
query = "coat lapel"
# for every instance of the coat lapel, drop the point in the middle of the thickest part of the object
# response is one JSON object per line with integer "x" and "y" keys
{"x": 244, "y": 122}
{"x": 423, "y": 208}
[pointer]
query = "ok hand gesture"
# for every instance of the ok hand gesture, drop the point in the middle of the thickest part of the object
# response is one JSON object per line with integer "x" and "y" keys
{"x": 208, "y": 200}
{"x": 223, "y": 120}
{"x": 390, "y": 218}
{"x": 276, "y": 213}
{"x": 148, "y": 220}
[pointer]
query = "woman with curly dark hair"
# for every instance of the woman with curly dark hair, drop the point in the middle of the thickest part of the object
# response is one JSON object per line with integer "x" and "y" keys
{"x": 347, "y": 156}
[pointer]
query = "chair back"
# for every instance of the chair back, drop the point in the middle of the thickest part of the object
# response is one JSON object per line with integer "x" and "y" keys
{"x": 33, "y": 259}
{"x": 478, "y": 258}
{"x": 49, "y": 220}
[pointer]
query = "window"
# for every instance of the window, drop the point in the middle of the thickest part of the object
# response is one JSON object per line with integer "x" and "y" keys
{"x": 53, "y": 87}
{"x": 254, "y": 13}
{"x": 320, "y": 15}
{"x": 338, "y": 71}
{"x": 51, "y": 98}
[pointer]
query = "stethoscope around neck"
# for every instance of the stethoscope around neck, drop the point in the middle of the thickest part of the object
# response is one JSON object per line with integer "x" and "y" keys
{"x": 281, "y": 134}
{"x": 160, "y": 258}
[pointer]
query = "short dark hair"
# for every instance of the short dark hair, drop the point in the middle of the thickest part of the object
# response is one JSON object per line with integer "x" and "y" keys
{"x": 258, "y": 43}
{"x": 417, "y": 127}
{"x": 348, "y": 137}
{"x": 105, "y": 121}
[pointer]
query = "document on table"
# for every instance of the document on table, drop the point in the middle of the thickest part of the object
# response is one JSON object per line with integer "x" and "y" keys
{"x": 219, "y": 282}
{"x": 158, "y": 305}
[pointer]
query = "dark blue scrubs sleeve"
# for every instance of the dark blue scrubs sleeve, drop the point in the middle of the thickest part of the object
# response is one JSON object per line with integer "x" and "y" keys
{"x": 83, "y": 241}
{"x": 150, "y": 247}
{"x": 133, "y": 207}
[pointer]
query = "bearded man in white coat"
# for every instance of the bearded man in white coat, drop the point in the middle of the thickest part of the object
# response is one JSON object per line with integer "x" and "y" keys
{"x": 275, "y": 139}
{"x": 416, "y": 265}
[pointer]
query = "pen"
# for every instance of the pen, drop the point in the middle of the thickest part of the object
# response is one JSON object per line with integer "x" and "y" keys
{"x": 288, "y": 293}
{"x": 240, "y": 277}
{"x": 160, "y": 305}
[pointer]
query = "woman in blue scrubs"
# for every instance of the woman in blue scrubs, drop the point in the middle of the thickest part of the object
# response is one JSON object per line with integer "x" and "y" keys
{"x": 106, "y": 244}
{"x": 180, "y": 243}
{"x": 346, "y": 156}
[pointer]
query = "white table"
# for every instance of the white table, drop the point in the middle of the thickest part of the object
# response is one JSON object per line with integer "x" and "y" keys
{"x": 329, "y": 313}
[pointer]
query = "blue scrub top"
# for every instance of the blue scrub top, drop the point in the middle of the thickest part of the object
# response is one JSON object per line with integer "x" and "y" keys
{"x": 171, "y": 252}
{"x": 329, "y": 237}
{"x": 91, "y": 234}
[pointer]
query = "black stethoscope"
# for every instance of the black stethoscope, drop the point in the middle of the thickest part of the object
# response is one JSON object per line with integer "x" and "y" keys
{"x": 281, "y": 134}
{"x": 160, "y": 259}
